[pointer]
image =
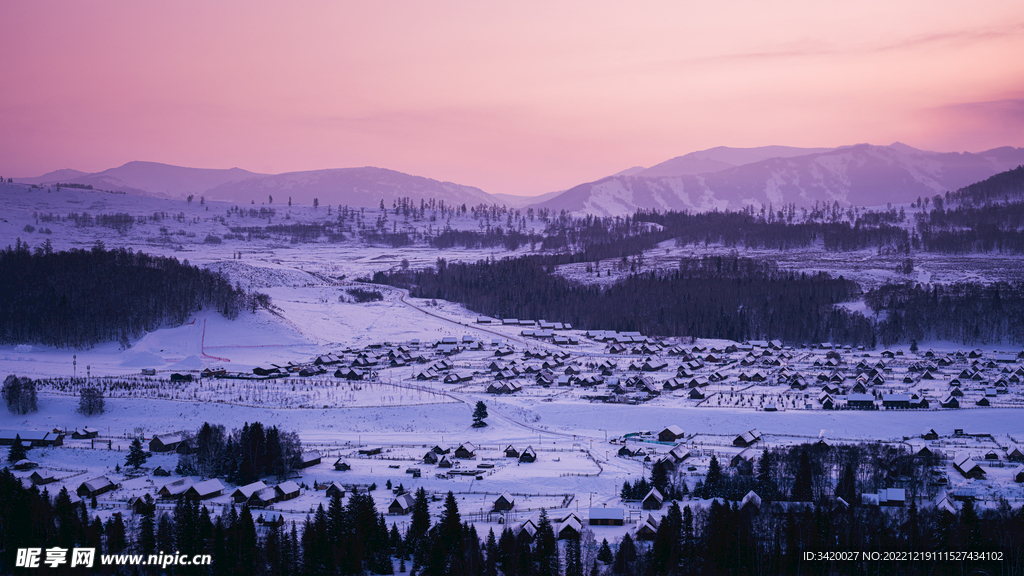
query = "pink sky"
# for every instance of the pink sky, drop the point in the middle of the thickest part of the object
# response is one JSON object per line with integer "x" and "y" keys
{"x": 515, "y": 97}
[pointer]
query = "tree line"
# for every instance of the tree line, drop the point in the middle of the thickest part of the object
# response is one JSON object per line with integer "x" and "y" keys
{"x": 79, "y": 298}
{"x": 713, "y": 297}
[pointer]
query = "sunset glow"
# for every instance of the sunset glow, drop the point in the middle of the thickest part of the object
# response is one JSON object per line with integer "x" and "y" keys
{"x": 520, "y": 98}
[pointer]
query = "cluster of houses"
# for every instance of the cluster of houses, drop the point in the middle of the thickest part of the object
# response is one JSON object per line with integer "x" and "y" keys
{"x": 443, "y": 456}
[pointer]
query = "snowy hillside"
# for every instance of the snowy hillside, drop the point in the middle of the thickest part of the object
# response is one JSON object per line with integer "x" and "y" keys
{"x": 862, "y": 175}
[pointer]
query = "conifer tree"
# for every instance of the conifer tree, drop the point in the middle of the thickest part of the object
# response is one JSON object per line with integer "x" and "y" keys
{"x": 136, "y": 455}
{"x": 17, "y": 451}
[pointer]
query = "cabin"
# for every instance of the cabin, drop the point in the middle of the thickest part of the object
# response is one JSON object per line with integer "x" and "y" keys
{"x": 950, "y": 402}
{"x": 647, "y": 528}
{"x": 671, "y": 434}
{"x": 504, "y": 502}
{"x": 309, "y": 459}
{"x": 243, "y": 493}
{"x": 528, "y": 455}
{"x": 1018, "y": 473}
{"x": 678, "y": 454}
{"x": 31, "y": 438}
{"x": 262, "y": 498}
{"x": 511, "y": 452}
{"x": 205, "y": 490}
{"x": 287, "y": 490}
{"x": 895, "y": 401}
{"x": 860, "y": 401}
{"x": 465, "y": 450}
{"x": 42, "y": 477}
{"x": 696, "y": 394}
{"x": 85, "y": 433}
{"x": 165, "y": 443}
{"x": 930, "y": 434}
{"x": 430, "y": 457}
{"x": 342, "y": 465}
{"x": 270, "y": 519}
{"x": 444, "y": 462}
{"x": 606, "y": 517}
{"x": 653, "y": 500}
{"x": 95, "y": 487}
{"x": 892, "y": 497}
{"x": 746, "y": 439}
{"x": 402, "y": 504}
{"x": 751, "y": 502}
{"x": 1014, "y": 453}
{"x": 335, "y": 489}
{"x": 967, "y": 467}
{"x": 569, "y": 528}
{"x": 140, "y": 505}
{"x": 175, "y": 488}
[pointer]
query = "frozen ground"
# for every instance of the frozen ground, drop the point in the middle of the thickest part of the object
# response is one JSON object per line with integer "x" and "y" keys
{"x": 313, "y": 315}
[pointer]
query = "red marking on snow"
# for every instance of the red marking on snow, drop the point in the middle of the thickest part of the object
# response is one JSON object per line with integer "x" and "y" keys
{"x": 202, "y": 346}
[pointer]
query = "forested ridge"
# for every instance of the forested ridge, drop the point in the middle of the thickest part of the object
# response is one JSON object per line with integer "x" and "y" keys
{"x": 713, "y": 297}
{"x": 727, "y": 297}
{"x": 79, "y": 298}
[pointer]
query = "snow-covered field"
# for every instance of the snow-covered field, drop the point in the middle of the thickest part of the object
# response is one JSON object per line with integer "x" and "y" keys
{"x": 572, "y": 431}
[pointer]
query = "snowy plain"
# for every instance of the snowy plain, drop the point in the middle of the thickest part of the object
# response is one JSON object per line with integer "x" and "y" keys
{"x": 313, "y": 315}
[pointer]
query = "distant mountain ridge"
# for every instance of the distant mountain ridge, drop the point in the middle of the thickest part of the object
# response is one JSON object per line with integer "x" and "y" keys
{"x": 862, "y": 174}
{"x": 718, "y": 178}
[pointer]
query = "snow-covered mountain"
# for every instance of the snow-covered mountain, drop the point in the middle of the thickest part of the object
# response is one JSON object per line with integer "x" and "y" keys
{"x": 863, "y": 175}
{"x": 148, "y": 178}
{"x": 351, "y": 186}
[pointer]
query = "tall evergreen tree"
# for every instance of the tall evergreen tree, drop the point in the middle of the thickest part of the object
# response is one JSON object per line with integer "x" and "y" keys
{"x": 17, "y": 450}
{"x": 136, "y": 455}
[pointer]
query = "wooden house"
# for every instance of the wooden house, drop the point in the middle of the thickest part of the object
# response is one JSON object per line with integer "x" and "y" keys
{"x": 606, "y": 517}
{"x": 243, "y": 493}
{"x": 95, "y": 487}
{"x": 504, "y": 502}
{"x": 287, "y": 490}
{"x": 205, "y": 490}
{"x": 671, "y": 434}
{"x": 748, "y": 438}
{"x": 528, "y": 455}
{"x": 967, "y": 467}
{"x": 165, "y": 443}
{"x": 653, "y": 500}
{"x": 311, "y": 458}
{"x": 85, "y": 433}
{"x": 402, "y": 504}
{"x": 335, "y": 489}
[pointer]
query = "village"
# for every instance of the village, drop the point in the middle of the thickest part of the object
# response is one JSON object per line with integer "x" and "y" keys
{"x": 520, "y": 463}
